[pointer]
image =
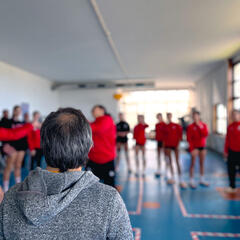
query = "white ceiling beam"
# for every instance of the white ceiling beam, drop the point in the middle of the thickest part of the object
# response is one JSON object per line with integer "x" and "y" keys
{"x": 108, "y": 36}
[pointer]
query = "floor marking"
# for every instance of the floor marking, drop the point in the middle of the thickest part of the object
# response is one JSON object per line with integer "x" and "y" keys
{"x": 140, "y": 199}
{"x": 225, "y": 175}
{"x": 180, "y": 202}
{"x": 137, "y": 233}
{"x": 196, "y": 235}
{"x": 151, "y": 205}
{"x": 229, "y": 196}
{"x": 206, "y": 216}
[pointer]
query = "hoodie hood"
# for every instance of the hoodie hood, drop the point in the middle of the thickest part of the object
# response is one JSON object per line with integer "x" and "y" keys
{"x": 44, "y": 194}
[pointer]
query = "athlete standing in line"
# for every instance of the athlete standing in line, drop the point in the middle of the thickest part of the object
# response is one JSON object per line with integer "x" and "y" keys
{"x": 122, "y": 141}
{"x": 232, "y": 150}
{"x": 140, "y": 137}
{"x": 172, "y": 138}
{"x": 159, "y": 129}
{"x": 197, "y": 133}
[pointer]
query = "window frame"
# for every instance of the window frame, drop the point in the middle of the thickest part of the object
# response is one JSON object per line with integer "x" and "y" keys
{"x": 217, "y": 118}
{"x": 233, "y": 83}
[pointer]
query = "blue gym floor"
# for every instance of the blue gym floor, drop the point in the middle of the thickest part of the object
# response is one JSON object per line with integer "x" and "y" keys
{"x": 163, "y": 212}
{"x": 159, "y": 211}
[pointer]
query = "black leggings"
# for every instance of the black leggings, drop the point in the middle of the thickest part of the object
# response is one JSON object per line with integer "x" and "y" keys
{"x": 233, "y": 163}
{"x": 106, "y": 172}
{"x": 37, "y": 158}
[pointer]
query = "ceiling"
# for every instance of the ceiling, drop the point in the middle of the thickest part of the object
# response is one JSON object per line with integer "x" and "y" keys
{"x": 164, "y": 40}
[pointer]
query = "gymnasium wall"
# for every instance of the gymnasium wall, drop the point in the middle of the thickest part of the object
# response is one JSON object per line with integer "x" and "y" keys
{"x": 19, "y": 86}
{"x": 86, "y": 99}
{"x": 211, "y": 90}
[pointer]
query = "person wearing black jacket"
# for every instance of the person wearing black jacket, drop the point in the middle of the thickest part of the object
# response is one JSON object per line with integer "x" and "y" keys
{"x": 5, "y": 123}
{"x": 122, "y": 141}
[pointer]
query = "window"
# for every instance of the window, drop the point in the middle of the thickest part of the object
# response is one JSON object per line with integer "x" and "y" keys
{"x": 152, "y": 102}
{"x": 236, "y": 86}
{"x": 221, "y": 119}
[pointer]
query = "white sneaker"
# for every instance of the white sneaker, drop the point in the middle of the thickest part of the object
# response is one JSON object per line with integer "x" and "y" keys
{"x": 192, "y": 185}
{"x": 183, "y": 185}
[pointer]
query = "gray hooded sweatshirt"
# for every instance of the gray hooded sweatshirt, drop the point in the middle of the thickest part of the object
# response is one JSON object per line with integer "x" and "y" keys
{"x": 70, "y": 205}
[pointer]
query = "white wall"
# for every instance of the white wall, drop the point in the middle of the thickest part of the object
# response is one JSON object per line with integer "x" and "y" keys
{"x": 211, "y": 90}
{"x": 86, "y": 99}
{"x": 18, "y": 86}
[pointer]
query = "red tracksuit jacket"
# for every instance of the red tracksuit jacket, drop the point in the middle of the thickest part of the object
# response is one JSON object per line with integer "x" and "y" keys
{"x": 15, "y": 133}
{"x": 104, "y": 140}
{"x": 197, "y": 135}
{"x": 139, "y": 133}
{"x": 232, "y": 141}
{"x": 34, "y": 139}
{"x": 173, "y": 135}
{"x": 160, "y": 128}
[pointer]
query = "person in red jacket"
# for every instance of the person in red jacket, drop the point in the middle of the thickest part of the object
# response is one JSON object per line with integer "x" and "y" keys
{"x": 34, "y": 142}
{"x": 103, "y": 152}
{"x": 172, "y": 138}
{"x": 140, "y": 138}
{"x": 232, "y": 149}
{"x": 15, "y": 133}
{"x": 197, "y": 133}
{"x": 159, "y": 129}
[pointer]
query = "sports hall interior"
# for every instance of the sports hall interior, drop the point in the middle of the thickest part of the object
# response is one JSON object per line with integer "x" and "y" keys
{"x": 136, "y": 57}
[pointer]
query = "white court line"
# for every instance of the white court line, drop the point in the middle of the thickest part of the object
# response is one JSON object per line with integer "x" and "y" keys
{"x": 204, "y": 216}
{"x": 196, "y": 235}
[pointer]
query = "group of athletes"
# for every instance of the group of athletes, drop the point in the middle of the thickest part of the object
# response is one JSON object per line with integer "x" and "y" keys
{"x": 168, "y": 136}
{"x": 17, "y": 136}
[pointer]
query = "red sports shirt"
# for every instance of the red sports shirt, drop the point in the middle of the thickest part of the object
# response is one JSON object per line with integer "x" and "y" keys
{"x": 160, "y": 128}
{"x": 173, "y": 134}
{"x": 34, "y": 139}
{"x": 15, "y": 133}
{"x": 197, "y": 135}
{"x": 232, "y": 141}
{"x": 104, "y": 140}
{"x": 139, "y": 133}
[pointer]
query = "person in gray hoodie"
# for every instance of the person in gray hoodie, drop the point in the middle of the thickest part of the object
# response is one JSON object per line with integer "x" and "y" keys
{"x": 63, "y": 201}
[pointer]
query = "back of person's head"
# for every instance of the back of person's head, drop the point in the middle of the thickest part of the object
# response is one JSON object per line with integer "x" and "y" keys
{"x": 169, "y": 116}
{"x": 36, "y": 113}
{"x": 5, "y": 113}
{"x": 140, "y": 118}
{"x": 36, "y": 116}
{"x": 196, "y": 113}
{"x": 17, "y": 111}
{"x": 159, "y": 117}
{"x": 99, "y": 111}
{"x": 66, "y": 139}
{"x": 236, "y": 115}
{"x": 196, "y": 116}
{"x": 121, "y": 116}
